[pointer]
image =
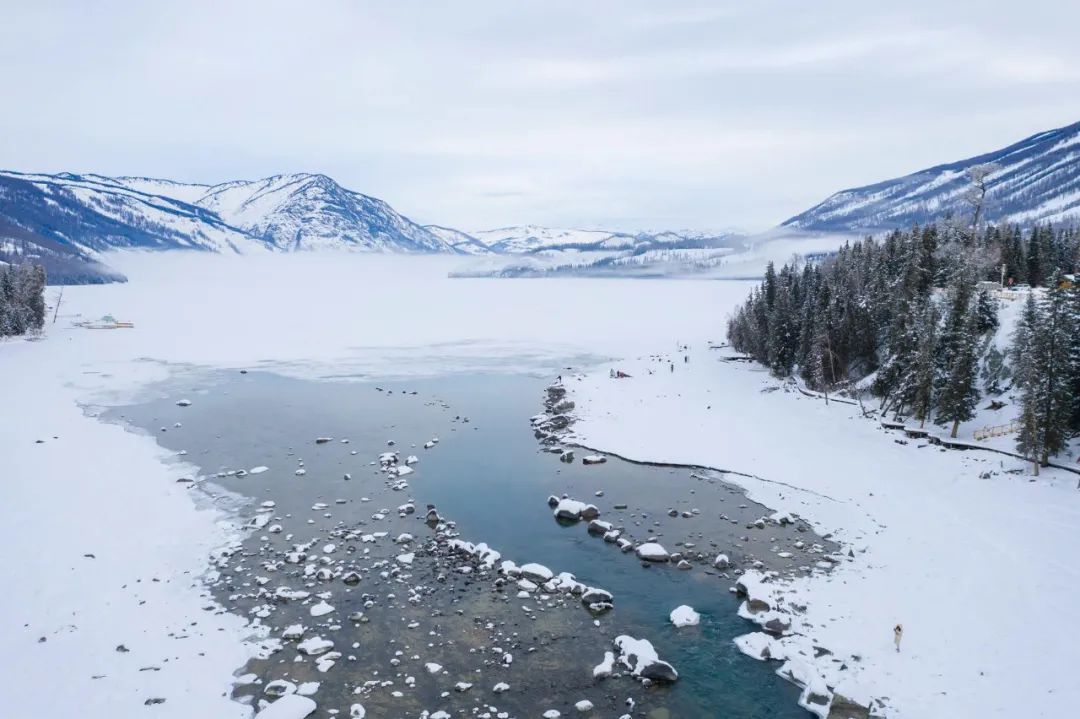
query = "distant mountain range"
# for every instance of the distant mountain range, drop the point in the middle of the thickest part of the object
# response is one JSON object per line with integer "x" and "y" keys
{"x": 1034, "y": 180}
{"x": 67, "y": 219}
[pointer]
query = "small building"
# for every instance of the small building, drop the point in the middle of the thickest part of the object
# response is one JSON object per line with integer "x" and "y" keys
{"x": 107, "y": 322}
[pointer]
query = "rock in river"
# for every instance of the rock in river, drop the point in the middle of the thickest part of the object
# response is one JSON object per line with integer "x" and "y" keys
{"x": 652, "y": 552}
{"x": 291, "y": 706}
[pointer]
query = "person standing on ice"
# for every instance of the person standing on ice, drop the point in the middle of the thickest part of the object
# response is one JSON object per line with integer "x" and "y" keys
{"x": 898, "y": 634}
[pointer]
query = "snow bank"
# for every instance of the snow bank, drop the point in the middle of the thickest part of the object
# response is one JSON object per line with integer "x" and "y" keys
{"x": 929, "y": 539}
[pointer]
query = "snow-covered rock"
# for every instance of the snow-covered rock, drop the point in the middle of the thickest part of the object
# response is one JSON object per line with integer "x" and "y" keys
{"x": 652, "y": 552}
{"x": 572, "y": 510}
{"x": 279, "y": 688}
{"x": 640, "y": 657}
{"x": 290, "y": 706}
{"x": 606, "y": 667}
{"x": 314, "y": 646}
{"x": 321, "y": 609}
{"x": 536, "y": 572}
{"x": 685, "y": 616}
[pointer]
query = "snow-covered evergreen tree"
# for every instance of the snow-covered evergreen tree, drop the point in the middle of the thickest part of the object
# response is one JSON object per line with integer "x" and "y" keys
{"x": 22, "y": 298}
{"x": 1043, "y": 370}
{"x": 957, "y": 393}
{"x": 921, "y": 384}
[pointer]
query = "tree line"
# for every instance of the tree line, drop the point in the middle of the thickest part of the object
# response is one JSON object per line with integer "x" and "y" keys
{"x": 912, "y": 318}
{"x": 22, "y": 298}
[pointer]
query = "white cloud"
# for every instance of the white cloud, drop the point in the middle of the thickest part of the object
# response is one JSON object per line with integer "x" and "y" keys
{"x": 616, "y": 113}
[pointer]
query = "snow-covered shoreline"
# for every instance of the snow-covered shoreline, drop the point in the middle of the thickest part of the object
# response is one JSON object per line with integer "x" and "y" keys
{"x": 105, "y": 608}
{"x": 920, "y": 523}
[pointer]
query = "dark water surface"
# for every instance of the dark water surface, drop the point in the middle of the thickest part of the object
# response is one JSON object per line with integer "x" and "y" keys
{"x": 489, "y": 475}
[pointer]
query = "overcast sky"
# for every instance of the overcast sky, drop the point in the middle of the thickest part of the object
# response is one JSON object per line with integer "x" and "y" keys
{"x": 628, "y": 115}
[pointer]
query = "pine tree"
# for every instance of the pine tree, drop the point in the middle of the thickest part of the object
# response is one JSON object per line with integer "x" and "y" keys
{"x": 769, "y": 286}
{"x": 6, "y": 321}
{"x": 14, "y": 317}
{"x": 1042, "y": 368}
{"x": 958, "y": 394}
{"x": 986, "y": 312}
{"x": 922, "y": 383}
{"x": 783, "y": 331}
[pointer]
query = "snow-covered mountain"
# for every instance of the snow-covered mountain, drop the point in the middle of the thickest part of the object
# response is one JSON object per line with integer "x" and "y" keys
{"x": 93, "y": 213}
{"x": 462, "y": 242}
{"x": 549, "y": 241}
{"x": 535, "y": 251}
{"x": 527, "y": 239}
{"x": 312, "y": 212}
{"x": 1035, "y": 180}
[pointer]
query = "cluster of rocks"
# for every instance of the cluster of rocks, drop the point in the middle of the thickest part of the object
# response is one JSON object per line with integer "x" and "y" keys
{"x": 827, "y": 689}
{"x": 758, "y": 586}
{"x": 551, "y": 426}
{"x": 343, "y": 578}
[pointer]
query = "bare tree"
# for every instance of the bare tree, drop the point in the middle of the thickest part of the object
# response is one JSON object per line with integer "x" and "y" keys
{"x": 976, "y": 194}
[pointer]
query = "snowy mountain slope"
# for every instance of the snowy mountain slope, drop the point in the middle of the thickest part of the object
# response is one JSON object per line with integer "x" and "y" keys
{"x": 462, "y": 242}
{"x": 552, "y": 241}
{"x": 63, "y": 263}
{"x": 312, "y": 212}
{"x": 527, "y": 239}
{"x": 93, "y": 213}
{"x": 1036, "y": 180}
{"x": 662, "y": 254}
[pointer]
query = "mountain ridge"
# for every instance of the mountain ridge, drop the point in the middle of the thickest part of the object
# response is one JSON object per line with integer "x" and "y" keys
{"x": 1036, "y": 179}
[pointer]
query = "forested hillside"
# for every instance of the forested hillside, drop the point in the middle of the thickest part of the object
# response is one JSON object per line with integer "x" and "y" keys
{"x": 910, "y": 318}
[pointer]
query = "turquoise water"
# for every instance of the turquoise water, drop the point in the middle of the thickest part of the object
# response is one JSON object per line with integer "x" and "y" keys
{"x": 489, "y": 475}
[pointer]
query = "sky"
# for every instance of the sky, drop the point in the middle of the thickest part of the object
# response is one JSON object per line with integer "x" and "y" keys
{"x": 477, "y": 114}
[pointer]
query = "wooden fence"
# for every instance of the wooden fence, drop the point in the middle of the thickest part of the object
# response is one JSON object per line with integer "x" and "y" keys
{"x": 997, "y": 431}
